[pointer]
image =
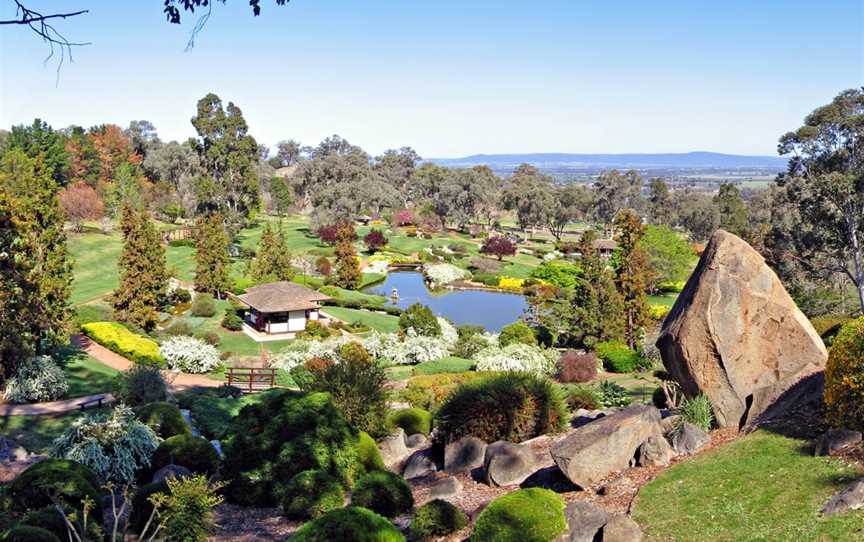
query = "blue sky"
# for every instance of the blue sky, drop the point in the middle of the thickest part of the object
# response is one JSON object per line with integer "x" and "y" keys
{"x": 453, "y": 78}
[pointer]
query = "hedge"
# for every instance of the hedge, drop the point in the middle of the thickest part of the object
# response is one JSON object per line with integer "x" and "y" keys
{"x": 353, "y": 304}
{"x": 120, "y": 340}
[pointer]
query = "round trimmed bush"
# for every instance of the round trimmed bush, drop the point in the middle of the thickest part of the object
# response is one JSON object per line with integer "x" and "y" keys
{"x": 368, "y": 454}
{"x": 436, "y": 518}
{"x": 412, "y": 420}
{"x": 27, "y": 533}
{"x": 69, "y": 480}
{"x": 510, "y": 406}
{"x": 383, "y": 492}
{"x": 139, "y": 385}
{"x": 576, "y": 367}
{"x": 232, "y": 321}
{"x": 617, "y": 357}
{"x": 420, "y": 318}
{"x": 526, "y": 515}
{"x": 311, "y": 494}
{"x": 844, "y": 377}
{"x": 204, "y": 306}
{"x": 164, "y": 418}
{"x": 352, "y": 524}
{"x": 194, "y": 453}
{"x": 517, "y": 332}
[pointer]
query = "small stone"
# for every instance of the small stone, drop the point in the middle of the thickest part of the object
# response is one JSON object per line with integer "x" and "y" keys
{"x": 464, "y": 454}
{"x": 417, "y": 440}
{"x": 851, "y": 498}
{"x": 689, "y": 439}
{"x": 393, "y": 448}
{"x": 655, "y": 452}
{"x": 836, "y": 439}
{"x": 584, "y": 521}
{"x": 169, "y": 472}
{"x": 11, "y": 450}
{"x": 621, "y": 528}
{"x": 419, "y": 464}
{"x": 445, "y": 488}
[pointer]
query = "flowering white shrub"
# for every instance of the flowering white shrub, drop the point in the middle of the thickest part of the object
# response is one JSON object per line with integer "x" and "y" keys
{"x": 444, "y": 273}
{"x": 517, "y": 357}
{"x": 116, "y": 446}
{"x": 377, "y": 266}
{"x": 300, "y": 351}
{"x": 38, "y": 379}
{"x": 449, "y": 334}
{"x": 554, "y": 255}
{"x": 391, "y": 349}
{"x": 189, "y": 354}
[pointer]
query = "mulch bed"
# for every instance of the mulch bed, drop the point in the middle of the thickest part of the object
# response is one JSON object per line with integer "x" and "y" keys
{"x": 236, "y": 523}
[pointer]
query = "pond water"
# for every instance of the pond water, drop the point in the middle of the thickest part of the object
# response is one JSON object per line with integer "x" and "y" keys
{"x": 492, "y": 310}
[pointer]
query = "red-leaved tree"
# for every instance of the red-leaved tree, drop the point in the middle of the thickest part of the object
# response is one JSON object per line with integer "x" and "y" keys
{"x": 329, "y": 234}
{"x": 80, "y": 202}
{"x": 498, "y": 246}
{"x": 374, "y": 240}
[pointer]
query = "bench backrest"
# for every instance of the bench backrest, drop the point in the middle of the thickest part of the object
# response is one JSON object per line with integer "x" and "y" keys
{"x": 252, "y": 379}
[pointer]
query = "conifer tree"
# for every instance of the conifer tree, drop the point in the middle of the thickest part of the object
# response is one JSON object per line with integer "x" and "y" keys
{"x": 273, "y": 260}
{"x": 143, "y": 277}
{"x": 211, "y": 257}
{"x": 35, "y": 272}
{"x": 632, "y": 274}
{"x": 347, "y": 266}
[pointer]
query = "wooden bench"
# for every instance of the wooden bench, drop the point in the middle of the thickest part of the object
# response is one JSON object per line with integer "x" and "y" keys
{"x": 95, "y": 401}
{"x": 252, "y": 379}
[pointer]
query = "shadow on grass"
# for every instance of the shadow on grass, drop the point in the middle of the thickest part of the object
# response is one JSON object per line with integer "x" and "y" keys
{"x": 798, "y": 413}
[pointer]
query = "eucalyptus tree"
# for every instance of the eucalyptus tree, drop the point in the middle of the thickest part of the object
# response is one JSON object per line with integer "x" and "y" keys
{"x": 734, "y": 215}
{"x": 396, "y": 167}
{"x": 570, "y": 203}
{"x": 433, "y": 185}
{"x": 660, "y": 207}
{"x": 615, "y": 191}
{"x": 530, "y": 194}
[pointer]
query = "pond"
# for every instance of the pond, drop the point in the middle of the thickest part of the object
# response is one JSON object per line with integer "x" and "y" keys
{"x": 492, "y": 310}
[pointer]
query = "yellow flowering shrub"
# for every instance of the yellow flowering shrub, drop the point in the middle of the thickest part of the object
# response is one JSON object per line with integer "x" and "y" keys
{"x": 117, "y": 338}
{"x": 658, "y": 312}
{"x": 511, "y": 284}
{"x": 844, "y": 378}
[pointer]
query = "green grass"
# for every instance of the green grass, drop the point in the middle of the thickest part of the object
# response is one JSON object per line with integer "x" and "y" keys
{"x": 450, "y": 364}
{"x": 640, "y": 386}
{"x": 36, "y": 433}
{"x": 763, "y": 487}
{"x": 384, "y": 323}
{"x": 667, "y": 299}
{"x": 95, "y": 264}
{"x": 86, "y": 375}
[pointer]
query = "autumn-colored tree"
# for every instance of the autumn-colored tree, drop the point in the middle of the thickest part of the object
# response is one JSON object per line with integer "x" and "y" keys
{"x": 374, "y": 240}
{"x": 211, "y": 257}
{"x": 273, "y": 260}
{"x": 35, "y": 272}
{"x": 498, "y": 246}
{"x": 632, "y": 274}
{"x": 113, "y": 149}
{"x": 347, "y": 265}
{"x": 143, "y": 277}
{"x": 80, "y": 202}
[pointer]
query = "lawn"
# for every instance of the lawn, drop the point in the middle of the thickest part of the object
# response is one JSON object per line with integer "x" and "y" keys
{"x": 449, "y": 364}
{"x": 665, "y": 299}
{"x": 763, "y": 487}
{"x": 36, "y": 433}
{"x": 384, "y": 323}
{"x": 213, "y": 414}
{"x": 86, "y": 375}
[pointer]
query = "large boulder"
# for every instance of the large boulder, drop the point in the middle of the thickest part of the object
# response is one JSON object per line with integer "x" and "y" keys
{"x": 419, "y": 464}
{"x": 507, "y": 464}
{"x": 621, "y": 528}
{"x": 849, "y": 499}
{"x": 608, "y": 444}
{"x": 655, "y": 452}
{"x": 737, "y": 336}
{"x": 393, "y": 449}
{"x": 464, "y": 454}
{"x": 584, "y": 521}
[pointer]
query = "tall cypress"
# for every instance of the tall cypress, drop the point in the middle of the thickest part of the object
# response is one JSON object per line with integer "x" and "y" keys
{"x": 347, "y": 266}
{"x": 273, "y": 260}
{"x": 632, "y": 274}
{"x": 211, "y": 257}
{"x": 143, "y": 277}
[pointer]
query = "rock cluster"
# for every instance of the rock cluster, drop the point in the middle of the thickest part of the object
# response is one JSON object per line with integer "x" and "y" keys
{"x": 588, "y": 523}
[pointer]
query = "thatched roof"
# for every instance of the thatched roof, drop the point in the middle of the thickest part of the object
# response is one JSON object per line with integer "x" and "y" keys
{"x": 281, "y": 297}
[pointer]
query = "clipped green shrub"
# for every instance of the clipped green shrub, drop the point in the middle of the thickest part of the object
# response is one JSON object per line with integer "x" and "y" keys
{"x": 140, "y": 385}
{"x": 436, "y": 518}
{"x": 311, "y": 494}
{"x": 428, "y": 391}
{"x": 420, "y": 318}
{"x": 164, "y": 418}
{"x": 517, "y": 332}
{"x": 383, "y": 492}
{"x": 70, "y": 481}
{"x": 27, "y": 533}
{"x": 203, "y": 306}
{"x": 118, "y": 339}
{"x": 698, "y": 411}
{"x": 286, "y": 433}
{"x": 526, "y": 515}
{"x": 368, "y": 454}
{"x": 232, "y": 321}
{"x": 581, "y": 396}
{"x": 844, "y": 378}
{"x": 412, "y": 420}
{"x": 510, "y": 406}
{"x": 141, "y": 506}
{"x": 617, "y": 357}
{"x": 194, "y": 453}
{"x": 352, "y": 524}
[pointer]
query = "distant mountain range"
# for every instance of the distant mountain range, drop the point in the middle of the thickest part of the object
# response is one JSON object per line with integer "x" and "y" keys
{"x": 685, "y": 160}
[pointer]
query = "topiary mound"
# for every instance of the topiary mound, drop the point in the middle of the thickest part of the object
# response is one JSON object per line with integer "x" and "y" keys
{"x": 70, "y": 481}
{"x": 412, "y": 420}
{"x": 844, "y": 378}
{"x": 526, "y": 515}
{"x": 511, "y": 406}
{"x": 436, "y": 518}
{"x": 285, "y": 434}
{"x": 311, "y": 494}
{"x": 383, "y": 492}
{"x": 194, "y": 453}
{"x": 164, "y": 418}
{"x": 421, "y": 319}
{"x": 26, "y": 533}
{"x": 352, "y": 524}
{"x": 368, "y": 454}
{"x": 517, "y": 332}
{"x": 617, "y": 357}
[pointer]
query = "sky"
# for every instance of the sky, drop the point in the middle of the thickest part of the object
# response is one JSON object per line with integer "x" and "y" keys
{"x": 451, "y": 78}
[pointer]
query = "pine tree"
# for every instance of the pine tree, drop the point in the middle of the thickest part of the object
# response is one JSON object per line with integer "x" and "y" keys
{"x": 632, "y": 274}
{"x": 143, "y": 277}
{"x": 35, "y": 272}
{"x": 211, "y": 257}
{"x": 347, "y": 266}
{"x": 273, "y": 260}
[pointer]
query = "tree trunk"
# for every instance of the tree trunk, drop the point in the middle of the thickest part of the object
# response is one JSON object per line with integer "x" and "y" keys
{"x": 859, "y": 264}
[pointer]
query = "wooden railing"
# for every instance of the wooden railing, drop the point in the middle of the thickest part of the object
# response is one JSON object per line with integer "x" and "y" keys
{"x": 252, "y": 379}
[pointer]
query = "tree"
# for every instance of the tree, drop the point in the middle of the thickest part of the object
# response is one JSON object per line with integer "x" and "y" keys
{"x": 660, "y": 203}
{"x": 825, "y": 183}
{"x": 696, "y": 213}
{"x": 632, "y": 274}
{"x": 45, "y": 145}
{"x": 114, "y": 150}
{"x": 174, "y": 163}
{"x": 614, "y": 191}
{"x": 80, "y": 202}
{"x": 671, "y": 258}
{"x": 570, "y": 203}
{"x": 498, "y": 246}
{"x": 529, "y": 193}
{"x": 281, "y": 195}
{"x": 229, "y": 155}
{"x": 347, "y": 265}
{"x": 211, "y": 257}
{"x": 143, "y": 278}
{"x": 288, "y": 153}
{"x": 396, "y": 168}
{"x": 375, "y": 240}
{"x": 35, "y": 272}
{"x": 273, "y": 259}
{"x": 733, "y": 211}
{"x": 142, "y": 135}
{"x": 432, "y": 184}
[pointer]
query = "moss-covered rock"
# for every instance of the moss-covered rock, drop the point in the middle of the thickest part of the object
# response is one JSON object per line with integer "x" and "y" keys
{"x": 526, "y": 515}
{"x": 383, "y": 492}
{"x": 352, "y": 524}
